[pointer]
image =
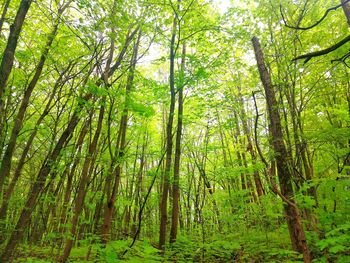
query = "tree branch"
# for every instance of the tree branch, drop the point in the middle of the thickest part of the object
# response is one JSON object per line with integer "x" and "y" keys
{"x": 342, "y": 59}
{"x": 322, "y": 52}
{"x": 256, "y": 133}
{"x": 284, "y": 198}
{"x": 317, "y": 22}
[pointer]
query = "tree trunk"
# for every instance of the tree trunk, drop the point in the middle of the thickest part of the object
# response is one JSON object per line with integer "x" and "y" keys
{"x": 139, "y": 187}
{"x": 35, "y": 191}
{"x": 242, "y": 160}
{"x": 176, "y": 189}
{"x": 295, "y": 226}
{"x": 9, "y": 52}
{"x": 68, "y": 190}
{"x": 3, "y": 14}
{"x": 247, "y": 131}
{"x": 169, "y": 142}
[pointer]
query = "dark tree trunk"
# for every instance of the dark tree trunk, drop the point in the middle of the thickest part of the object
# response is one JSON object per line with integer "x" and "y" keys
{"x": 176, "y": 189}
{"x": 69, "y": 184}
{"x": 3, "y": 14}
{"x": 296, "y": 230}
{"x": 247, "y": 131}
{"x": 9, "y": 52}
{"x": 169, "y": 142}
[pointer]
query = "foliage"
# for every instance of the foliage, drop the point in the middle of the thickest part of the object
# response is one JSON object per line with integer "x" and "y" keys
{"x": 86, "y": 148}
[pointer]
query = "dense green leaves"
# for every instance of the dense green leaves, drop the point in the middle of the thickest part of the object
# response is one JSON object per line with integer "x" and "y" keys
{"x": 226, "y": 139}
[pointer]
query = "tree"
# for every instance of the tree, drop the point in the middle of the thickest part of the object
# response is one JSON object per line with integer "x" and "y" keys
{"x": 295, "y": 227}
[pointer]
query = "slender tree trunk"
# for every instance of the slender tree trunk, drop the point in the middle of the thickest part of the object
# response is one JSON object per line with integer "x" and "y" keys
{"x": 187, "y": 201}
{"x": 139, "y": 186}
{"x": 242, "y": 159}
{"x": 247, "y": 131}
{"x": 129, "y": 195}
{"x": 211, "y": 192}
{"x": 201, "y": 166}
{"x": 9, "y": 52}
{"x": 169, "y": 142}
{"x": 48, "y": 209}
{"x": 176, "y": 189}
{"x": 296, "y": 230}
{"x": 3, "y": 14}
{"x": 71, "y": 171}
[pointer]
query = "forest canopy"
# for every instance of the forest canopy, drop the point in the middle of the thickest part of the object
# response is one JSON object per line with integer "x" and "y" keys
{"x": 174, "y": 131}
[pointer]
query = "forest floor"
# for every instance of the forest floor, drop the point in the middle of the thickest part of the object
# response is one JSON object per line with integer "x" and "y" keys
{"x": 253, "y": 246}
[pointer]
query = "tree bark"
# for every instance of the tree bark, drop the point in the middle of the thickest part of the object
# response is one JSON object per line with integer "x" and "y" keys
{"x": 9, "y": 52}
{"x": 68, "y": 190}
{"x": 3, "y": 14}
{"x": 169, "y": 142}
{"x": 247, "y": 131}
{"x": 296, "y": 230}
{"x": 176, "y": 189}
{"x": 36, "y": 190}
